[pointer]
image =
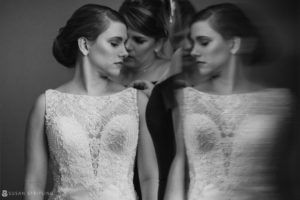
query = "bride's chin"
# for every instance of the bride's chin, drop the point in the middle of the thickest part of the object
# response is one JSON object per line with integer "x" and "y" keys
{"x": 204, "y": 71}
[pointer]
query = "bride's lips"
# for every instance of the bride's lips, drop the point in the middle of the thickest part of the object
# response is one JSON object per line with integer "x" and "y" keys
{"x": 121, "y": 63}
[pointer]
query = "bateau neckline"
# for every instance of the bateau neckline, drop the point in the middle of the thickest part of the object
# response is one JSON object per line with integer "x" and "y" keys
{"x": 91, "y": 96}
{"x": 237, "y": 94}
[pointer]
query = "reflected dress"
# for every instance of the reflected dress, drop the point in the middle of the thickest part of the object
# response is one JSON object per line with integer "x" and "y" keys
{"x": 230, "y": 142}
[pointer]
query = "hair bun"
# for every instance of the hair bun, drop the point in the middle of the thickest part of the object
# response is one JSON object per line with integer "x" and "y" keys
{"x": 62, "y": 51}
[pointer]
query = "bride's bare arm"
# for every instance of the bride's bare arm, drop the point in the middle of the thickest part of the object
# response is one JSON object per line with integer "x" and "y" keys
{"x": 147, "y": 162}
{"x": 36, "y": 153}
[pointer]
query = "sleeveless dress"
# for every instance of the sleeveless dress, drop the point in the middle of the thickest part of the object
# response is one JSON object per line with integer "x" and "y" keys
{"x": 229, "y": 142}
{"x": 92, "y": 144}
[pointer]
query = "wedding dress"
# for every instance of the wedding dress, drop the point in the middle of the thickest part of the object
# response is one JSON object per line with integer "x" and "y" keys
{"x": 92, "y": 144}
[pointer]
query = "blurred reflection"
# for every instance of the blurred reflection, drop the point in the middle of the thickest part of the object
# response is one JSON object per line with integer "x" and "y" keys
{"x": 226, "y": 122}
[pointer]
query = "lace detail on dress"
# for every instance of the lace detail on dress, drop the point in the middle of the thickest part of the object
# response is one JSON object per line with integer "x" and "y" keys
{"x": 92, "y": 142}
{"x": 228, "y": 140}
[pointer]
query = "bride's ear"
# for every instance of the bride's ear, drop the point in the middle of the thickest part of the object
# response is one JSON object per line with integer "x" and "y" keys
{"x": 83, "y": 45}
{"x": 235, "y": 45}
{"x": 243, "y": 45}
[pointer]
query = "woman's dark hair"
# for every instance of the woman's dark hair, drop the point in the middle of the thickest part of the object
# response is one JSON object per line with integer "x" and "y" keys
{"x": 89, "y": 21}
{"x": 145, "y": 17}
{"x": 230, "y": 21}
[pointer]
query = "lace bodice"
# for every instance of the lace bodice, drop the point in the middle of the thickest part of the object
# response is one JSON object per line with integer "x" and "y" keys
{"x": 92, "y": 142}
{"x": 229, "y": 139}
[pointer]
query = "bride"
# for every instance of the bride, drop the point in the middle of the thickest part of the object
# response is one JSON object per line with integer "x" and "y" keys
{"x": 91, "y": 128}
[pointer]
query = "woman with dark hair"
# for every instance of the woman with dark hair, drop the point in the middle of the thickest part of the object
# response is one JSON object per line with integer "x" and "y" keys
{"x": 145, "y": 65}
{"x": 158, "y": 19}
{"x": 226, "y": 126}
{"x": 91, "y": 127}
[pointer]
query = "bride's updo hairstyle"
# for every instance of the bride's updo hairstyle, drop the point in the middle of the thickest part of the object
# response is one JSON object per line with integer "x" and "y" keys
{"x": 230, "y": 21}
{"x": 89, "y": 21}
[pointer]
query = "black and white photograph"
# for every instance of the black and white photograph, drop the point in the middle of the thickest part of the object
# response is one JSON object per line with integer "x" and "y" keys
{"x": 149, "y": 100}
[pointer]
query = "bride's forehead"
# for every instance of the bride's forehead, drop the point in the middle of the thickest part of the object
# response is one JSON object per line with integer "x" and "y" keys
{"x": 115, "y": 29}
{"x": 202, "y": 28}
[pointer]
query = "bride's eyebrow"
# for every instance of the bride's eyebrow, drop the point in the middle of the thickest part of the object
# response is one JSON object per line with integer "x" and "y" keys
{"x": 201, "y": 38}
{"x": 117, "y": 38}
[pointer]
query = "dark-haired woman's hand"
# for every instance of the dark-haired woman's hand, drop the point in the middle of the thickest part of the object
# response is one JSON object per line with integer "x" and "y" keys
{"x": 145, "y": 86}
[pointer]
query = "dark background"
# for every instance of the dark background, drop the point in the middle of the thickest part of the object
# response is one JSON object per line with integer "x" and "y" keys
{"x": 27, "y": 29}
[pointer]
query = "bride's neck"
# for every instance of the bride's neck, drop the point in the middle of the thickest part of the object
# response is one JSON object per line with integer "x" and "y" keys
{"x": 233, "y": 79}
{"x": 89, "y": 80}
